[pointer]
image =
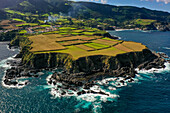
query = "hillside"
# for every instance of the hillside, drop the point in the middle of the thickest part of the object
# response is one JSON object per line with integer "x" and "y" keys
{"x": 97, "y": 15}
{"x": 122, "y": 13}
{"x": 86, "y": 9}
{"x": 83, "y": 55}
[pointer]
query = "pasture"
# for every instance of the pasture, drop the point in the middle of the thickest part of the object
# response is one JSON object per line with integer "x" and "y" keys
{"x": 81, "y": 46}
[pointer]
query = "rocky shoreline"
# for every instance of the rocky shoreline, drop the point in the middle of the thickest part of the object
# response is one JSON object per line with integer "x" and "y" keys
{"x": 73, "y": 81}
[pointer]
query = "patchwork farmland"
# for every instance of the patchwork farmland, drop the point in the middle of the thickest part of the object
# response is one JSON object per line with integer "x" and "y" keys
{"x": 81, "y": 45}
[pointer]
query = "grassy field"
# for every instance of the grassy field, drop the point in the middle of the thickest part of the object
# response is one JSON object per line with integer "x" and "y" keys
{"x": 81, "y": 46}
{"x": 45, "y": 25}
{"x": 44, "y": 43}
{"x": 7, "y": 24}
{"x": 14, "y": 12}
{"x": 19, "y": 20}
{"x": 105, "y": 42}
{"x": 96, "y": 45}
{"x": 76, "y": 42}
{"x": 123, "y": 48}
{"x": 133, "y": 45}
{"x": 27, "y": 24}
{"x": 22, "y": 32}
{"x": 144, "y": 21}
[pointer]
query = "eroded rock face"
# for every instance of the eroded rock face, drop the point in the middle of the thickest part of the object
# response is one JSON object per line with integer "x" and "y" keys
{"x": 84, "y": 71}
{"x": 119, "y": 65}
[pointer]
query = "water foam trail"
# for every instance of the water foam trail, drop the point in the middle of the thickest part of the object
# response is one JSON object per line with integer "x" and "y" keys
{"x": 154, "y": 70}
{"x": 166, "y": 48}
{"x": 20, "y": 84}
{"x": 3, "y": 64}
{"x": 109, "y": 86}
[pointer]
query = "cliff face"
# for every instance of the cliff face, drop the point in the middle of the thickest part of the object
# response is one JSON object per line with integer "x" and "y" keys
{"x": 118, "y": 66}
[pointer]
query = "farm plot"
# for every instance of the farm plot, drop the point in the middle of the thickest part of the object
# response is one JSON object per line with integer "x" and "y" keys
{"x": 81, "y": 46}
{"x": 44, "y": 43}
{"x": 134, "y": 45}
{"x": 76, "y": 42}
{"x": 112, "y": 39}
{"x": 96, "y": 46}
{"x": 85, "y": 47}
{"x": 71, "y": 38}
{"x": 123, "y": 48}
{"x": 105, "y": 42}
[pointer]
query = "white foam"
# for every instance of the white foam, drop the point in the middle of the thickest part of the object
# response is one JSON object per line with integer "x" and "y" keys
{"x": 124, "y": 29}
{"x": 3, "y": 63}
{"x": 22, "y": 84}
{"x": 154, "y": 70}
{"x": 166, "y": 48}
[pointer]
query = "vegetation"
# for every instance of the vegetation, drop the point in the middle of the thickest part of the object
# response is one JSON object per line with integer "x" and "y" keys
{"x": 80, "y": 46}
{"x": 96, "y": 45}
{"x": 7, "y": 36}
{"x": 23, "y": 32}
{"x": 145, "y": 21}
{"x": 19, "y": 20}
{"x": 45, "y": 25}
{"x": 88, "y": 23}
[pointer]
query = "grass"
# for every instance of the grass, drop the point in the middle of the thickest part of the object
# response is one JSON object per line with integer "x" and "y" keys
{"x": 14, "y": 12}
{"x": 45, "y": 25}
{"x": 25, "y": 3}
{"x": 19, "y": 20}
{"x": 44, "y": 43}
{"x": 88, "y": 33}
{"x": 41, "y": 21}
{"x": 123, "y": 48}
{"x": 144, "y": 21}
{"x": 22, "y": 32}
{"x": 46, "y": 15}
{"x": 27, "y": 24}
{"x": 76, "y": 42}
{"x": 78, "y": 31}
{"x": 134, "y": 46}
{"x": 111, "y": 39}
{"x": 67, "y": 28}
{"x": 105, "y": 42}
{"x": 96, "y": 45}
{"x": 81, "y": 46}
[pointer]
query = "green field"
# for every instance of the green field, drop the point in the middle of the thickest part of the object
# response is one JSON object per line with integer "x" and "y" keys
{"x": 81, "y": 46}
{"x": 144, "y": 21}
{"x": 27, "y": 24}
{"x": 14, "y": 12}
{"x": 19, "y": 20}
{"x": 45, "y": 25}
{"x": 96, "y": 45}
{"x": 22, "y": 32}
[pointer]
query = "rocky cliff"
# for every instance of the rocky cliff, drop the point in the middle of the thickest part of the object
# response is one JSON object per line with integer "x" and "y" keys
{"x": 120, "y": 65}
{"x": 84, "y": 69}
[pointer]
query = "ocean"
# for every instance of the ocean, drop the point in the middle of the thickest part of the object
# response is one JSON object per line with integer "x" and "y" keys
{"x": 150, "y": 93}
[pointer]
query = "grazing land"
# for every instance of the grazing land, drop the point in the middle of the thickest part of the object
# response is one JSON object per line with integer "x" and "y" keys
{"x": 144, "y": 21}
{"x": 81, "y": 45}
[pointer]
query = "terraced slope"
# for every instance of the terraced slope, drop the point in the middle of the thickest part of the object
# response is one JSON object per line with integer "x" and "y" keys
{"x": 82, "y": 46}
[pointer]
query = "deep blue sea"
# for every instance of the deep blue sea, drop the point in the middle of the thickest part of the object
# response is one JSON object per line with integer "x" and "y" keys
{"x": 150, "y": 93}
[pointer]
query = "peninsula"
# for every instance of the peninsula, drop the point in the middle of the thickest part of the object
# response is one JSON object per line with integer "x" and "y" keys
{"x": 83, "y": 55}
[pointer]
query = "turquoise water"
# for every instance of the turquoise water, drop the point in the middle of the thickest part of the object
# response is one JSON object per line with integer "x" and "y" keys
{"x": 149, "y": 93}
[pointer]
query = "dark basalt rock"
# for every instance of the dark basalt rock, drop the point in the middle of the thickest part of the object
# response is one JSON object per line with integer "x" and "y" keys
{"x": 8, "y": 82}
{"x": 85, "y": 71}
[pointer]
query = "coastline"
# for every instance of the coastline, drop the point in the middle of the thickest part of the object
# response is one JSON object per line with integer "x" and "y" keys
{"x": 78, "y": 77}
